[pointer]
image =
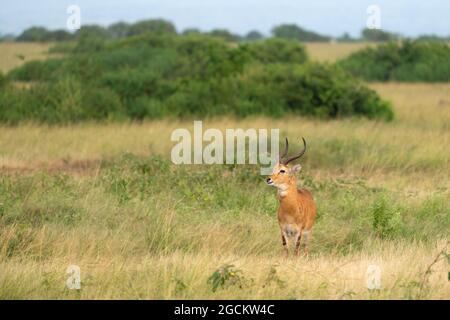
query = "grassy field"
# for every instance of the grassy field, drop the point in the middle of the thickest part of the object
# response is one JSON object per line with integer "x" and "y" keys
{"x": 107, "y": 198}
{"x": 14, "y": 54}
{"x": 330, "y": 52}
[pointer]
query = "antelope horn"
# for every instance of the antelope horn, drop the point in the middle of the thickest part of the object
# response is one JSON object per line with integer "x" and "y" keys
{"x": 285, "y": 151}
{"x": 298, "y": 155}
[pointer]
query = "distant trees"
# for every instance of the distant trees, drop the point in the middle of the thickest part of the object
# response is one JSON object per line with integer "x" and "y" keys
{"x": 156, "y": 26}
{"x": 114, "y": 31}
{"x": 33, "y": 34}
{"x": 294, "y": 32}
{"x": 160, "y": 26}
{"x": 190, "y": 31}
{"x": 408, "y": 61}
{"x": 253, "y": 35}
{"x": 92, "y": 31}
{"x": 278, "y": 50}
{"x": 225, "y": 34}
{"x": 40, "y": 34}
{"x": 346, "y": 37}
{"x": 377, "y": 35}
{"x": 432, "y": 37}
{"x": 118, "y": 30}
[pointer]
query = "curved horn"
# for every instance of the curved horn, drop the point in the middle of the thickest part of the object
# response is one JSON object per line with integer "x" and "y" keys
{"x": 286, "y": 148}
{"x": 298, "y": 155}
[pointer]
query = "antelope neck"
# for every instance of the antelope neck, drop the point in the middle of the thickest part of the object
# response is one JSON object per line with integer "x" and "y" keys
{"x": 286, "y": 189}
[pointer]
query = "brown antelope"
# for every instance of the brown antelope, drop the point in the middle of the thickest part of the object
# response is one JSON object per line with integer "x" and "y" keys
{"x": 297, "y": 210}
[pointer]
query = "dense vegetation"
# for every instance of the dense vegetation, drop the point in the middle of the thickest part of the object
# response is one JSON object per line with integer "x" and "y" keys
{"x": 158, "y": 75}
{"x": 377, "y": 35}
{"x": 123, "y": 29}
{"x": 294, "y": 32}
{"x": 407, "y": 61}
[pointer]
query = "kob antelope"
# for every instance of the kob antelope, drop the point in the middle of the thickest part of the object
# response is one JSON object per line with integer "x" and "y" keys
{"x": 297, "y": 209}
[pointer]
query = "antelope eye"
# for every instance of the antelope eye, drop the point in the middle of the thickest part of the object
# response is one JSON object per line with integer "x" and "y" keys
{"x": 282, "y": 171}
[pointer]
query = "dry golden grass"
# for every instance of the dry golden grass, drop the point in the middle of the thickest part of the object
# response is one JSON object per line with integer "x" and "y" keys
{"x": 159, "y": 276}
{"x": 330, "y": 52}
{"x": 13, "y": 54}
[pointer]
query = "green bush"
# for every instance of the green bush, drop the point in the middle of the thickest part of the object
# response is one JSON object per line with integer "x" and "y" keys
{"x": 294, "y": 32}
{"x": 408, "y": 62}
{"x": 314, "y": 89}
{"x": 387, "y": 219}
{"x": 3, "y": 80}
{"x": 145, "y": 107}
{"x": 157, "y": 26}
{"x": 278, "y": 50}
{"x": 36, "y": 70}
{"x": 101, "y": 103}
{"x": 208, "y": 57}
{"x": 90, "y": 43}
{"x": 158, "y": 75}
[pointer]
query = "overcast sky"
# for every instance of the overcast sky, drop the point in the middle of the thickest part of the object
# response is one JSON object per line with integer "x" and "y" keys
{"x": 332, "y": 17}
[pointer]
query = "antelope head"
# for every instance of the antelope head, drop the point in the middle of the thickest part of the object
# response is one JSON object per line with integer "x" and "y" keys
{"x": 283, "y": 175}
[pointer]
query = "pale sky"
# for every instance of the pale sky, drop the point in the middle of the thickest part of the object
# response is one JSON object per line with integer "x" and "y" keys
{"x": 331, "y": 17}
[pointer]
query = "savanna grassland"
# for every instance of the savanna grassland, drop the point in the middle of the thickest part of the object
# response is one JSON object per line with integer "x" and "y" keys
{"x": 14, "y": 54}
{"x": 105, "y": 197}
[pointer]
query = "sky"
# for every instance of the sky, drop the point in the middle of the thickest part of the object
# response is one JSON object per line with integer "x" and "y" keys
{"x": 331, "y": 17}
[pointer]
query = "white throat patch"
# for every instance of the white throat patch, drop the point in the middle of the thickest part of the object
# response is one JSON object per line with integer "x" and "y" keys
{"x": 282, "y": 190}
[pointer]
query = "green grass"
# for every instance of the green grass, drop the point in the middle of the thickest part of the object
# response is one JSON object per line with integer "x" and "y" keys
{"x": 133, "y": 225}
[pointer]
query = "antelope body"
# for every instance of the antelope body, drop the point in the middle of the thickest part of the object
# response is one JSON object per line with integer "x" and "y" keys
{"x": 297, "y": 209}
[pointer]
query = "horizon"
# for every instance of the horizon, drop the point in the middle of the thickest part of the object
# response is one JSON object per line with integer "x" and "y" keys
{"x": 408, "y": 18}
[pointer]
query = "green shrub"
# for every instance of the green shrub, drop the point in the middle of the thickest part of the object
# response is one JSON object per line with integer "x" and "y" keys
{"x": 101, "y": 103}
{"x": 208, "y": 57}
{"x": 57, "y": 102}
{"x": 3, "y": 80}
{"x": 145, "y": 107}
{"x": 38, "y": 34}
{"x": 294, "y": 32}
{"x": 160, "y": 74}
{"x": 131, "y": 83}
{"x": 36, "y": 70}
{"x": 408, "y": 61}
{"x": 387, "y": 220}
{"x": 90, "y": 43}
{"x": 320, "y": 90}
{"x": 278, "y": 50}
{"x": 63, "y": 47}
{"x": 157, "y": 26}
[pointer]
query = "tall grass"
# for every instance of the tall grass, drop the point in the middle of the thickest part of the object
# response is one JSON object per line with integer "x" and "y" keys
{"x": 15, "y": 54}
{"x": 107, "y": 198}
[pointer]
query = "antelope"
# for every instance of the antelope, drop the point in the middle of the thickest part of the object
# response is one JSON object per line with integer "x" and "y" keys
{"x": 297, "y": 209}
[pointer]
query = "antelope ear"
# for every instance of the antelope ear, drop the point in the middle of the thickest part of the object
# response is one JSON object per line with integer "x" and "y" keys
{"x": 295, "y": 169}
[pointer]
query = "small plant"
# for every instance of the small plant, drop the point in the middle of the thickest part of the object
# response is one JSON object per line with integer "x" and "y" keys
{"x": 273, "y": 278}
{"x": 180, "y": 286}
{"x": 226, "y": 275}
{"x": 387, "y": 220}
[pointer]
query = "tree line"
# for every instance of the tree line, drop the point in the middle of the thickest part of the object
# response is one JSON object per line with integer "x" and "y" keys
{"x": 123, "y": 29}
